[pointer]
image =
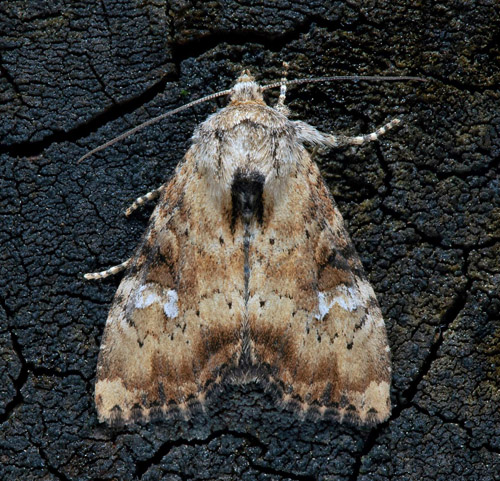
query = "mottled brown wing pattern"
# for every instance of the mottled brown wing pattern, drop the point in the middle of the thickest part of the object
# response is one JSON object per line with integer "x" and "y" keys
{"x": 173, "y": 325}
{"x": 314, "y": 319}
{"x": 246, "y": 272}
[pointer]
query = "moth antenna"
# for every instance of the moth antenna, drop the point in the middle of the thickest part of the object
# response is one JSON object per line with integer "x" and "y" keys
{"x": 153, "y": 121}
{"x": 283, "y": 83}
{"x": 351, "y": 78}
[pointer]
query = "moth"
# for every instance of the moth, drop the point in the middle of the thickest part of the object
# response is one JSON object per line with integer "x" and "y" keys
{"x": 245, "y": 273}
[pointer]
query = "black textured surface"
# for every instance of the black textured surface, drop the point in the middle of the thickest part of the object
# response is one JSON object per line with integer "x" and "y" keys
{"x": 422, "y": 206}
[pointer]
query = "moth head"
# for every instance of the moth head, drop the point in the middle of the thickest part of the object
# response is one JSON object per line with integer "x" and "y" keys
{"x": 246, "y": 90}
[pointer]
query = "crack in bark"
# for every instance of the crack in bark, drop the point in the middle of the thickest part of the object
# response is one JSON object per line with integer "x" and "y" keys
{"x": 5, "y": 73}
{"x": 434, "y": 240}
{"x": 100, "y": 81}
{"x": 269, "y": 41}
{"x": 26, "y": 369}
{"x": 120, "y": 109}
{"x": 18, "y": 383}
{"x": 460, "y": 424}
{"x": 406, "y": 399}
{"x": 180, "y": 53}
{"x": 462, "y": 86}
{"x": 105, "y": 15}
{"x": 463, "y": 174}
{"x": 279, "y": 472}
{"x": 51, "y": 469}
{"x": 10, "y": 79}
{"x": 143, "y": 466}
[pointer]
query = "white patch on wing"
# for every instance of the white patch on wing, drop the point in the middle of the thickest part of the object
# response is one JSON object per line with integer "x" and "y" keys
{"x": 346, "y": 298}
{"x": 151, "y": 294}
{"x": 170, "y": 307}
{"x": 323, "y": 307}
{"x": 143, "y": 300}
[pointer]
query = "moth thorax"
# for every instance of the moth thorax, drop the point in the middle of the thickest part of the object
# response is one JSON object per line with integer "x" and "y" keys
{"x": 246, "y": 194}
{"x": 246, "y": 90}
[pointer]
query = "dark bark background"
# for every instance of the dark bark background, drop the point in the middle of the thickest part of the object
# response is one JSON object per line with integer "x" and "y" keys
{"x": 422, "y": 206}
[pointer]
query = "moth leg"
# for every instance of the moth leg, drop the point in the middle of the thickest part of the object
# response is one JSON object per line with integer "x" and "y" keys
{"x": 307, "y": 133}
{"x": 109, "y": 272}
{"x": 280, "y": 105}
{"x": 143, "y": 199}
{"x": 361, "y": 139}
